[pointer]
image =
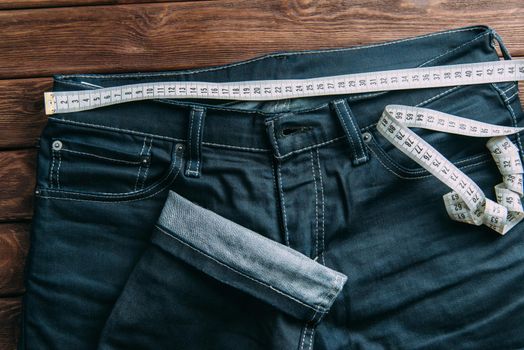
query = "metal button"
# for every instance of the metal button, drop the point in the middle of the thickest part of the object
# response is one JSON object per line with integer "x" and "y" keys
{"x": 366, "y": 136}
{"x": 57, "y": 145}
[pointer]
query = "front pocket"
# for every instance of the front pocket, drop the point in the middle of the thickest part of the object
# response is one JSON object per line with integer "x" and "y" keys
{"x": 92, "y": 163}
{"x": 418, "y": 172}
{"x": 477, "y": 102}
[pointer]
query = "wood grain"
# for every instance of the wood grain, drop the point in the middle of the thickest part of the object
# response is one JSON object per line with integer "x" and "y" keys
{"x": 14, "y": 244}
{"x": 17, "y": 171}
{"x": 44, "y": 37}
{"x": 21, "y": 111}
{"x": 25, "y": 4}
{"x": 9, "y": 322}
{"x": 165, "y": 36}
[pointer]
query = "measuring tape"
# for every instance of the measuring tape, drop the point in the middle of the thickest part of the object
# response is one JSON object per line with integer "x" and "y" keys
{"x": 467, "y": 202}
{"x": 259, "y": 90}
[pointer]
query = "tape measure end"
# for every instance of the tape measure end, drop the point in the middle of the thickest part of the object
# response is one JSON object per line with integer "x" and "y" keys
{"x": 49, "y": 103}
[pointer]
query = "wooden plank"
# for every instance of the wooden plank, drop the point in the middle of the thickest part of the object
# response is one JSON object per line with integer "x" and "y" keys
{"x": 10, "y": 309}
{"x": 21, "y": 111}
{"x": 165, "y": 36}
{"x": 25, "y": 4}
{"x": 14, "y": 244}
{"x": 17, "y": 171}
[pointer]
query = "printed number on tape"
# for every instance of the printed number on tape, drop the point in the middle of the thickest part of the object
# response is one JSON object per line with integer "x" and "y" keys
{"x": 466, "y": 202}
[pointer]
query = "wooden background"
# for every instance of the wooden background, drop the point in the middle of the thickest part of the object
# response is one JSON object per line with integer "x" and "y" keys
{"x": 39, "y": 38}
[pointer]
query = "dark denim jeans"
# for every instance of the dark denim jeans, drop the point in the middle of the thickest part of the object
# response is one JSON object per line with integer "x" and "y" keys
{"x": 213, "y": 224}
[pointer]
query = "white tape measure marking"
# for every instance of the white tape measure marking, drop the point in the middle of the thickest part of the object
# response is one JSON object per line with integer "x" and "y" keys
{"x": 259, "y": 90}
{"x": 467, "y": 202}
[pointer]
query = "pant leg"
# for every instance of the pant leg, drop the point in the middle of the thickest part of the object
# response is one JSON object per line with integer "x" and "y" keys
{"x": 206, "y": 282}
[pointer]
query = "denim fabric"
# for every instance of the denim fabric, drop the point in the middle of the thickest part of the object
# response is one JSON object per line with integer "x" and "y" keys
{"x": 215, "y": 224}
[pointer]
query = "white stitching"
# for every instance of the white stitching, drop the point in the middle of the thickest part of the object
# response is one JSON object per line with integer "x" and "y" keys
{"x": 312, "y": 146}
{"x": 283, "y": 204}
{"x": 273, "y": 176}
{"x": 199, "y": 138}
{"x": 134, "y": 132}
{"x": 104, "y": 76}
{"x": 99, "y": 156}
{"x": 316, "y": 202}
{"x": 323, "y": 202}
{"x": 190, "y": 144}
{"x": 314, "y": 307}
{"x": 52, "y": 166}
{"x": 511, "y": 87}
{"x": 437, "y": 96}
{"x": 148, "y": 164}
{"x": 311, "y": 338}
{"x": 515, "y": 124}
{"x": 275, "y": 138}
{"x": 356, "y": 131}
{"x": 512, "y": 112}
{"x": 140, "y": 167}
{"x": 458, "y": 47}
{"x": 121, "y": 195}
{"x": 346, "y": 128}
{"x": 58, "y": 170}
{"x": 422, "y": 170}
{"x": 423, "y": 176}
{"x": 509, "y": 98}
{"x": 237, "y": 147}
{"x": 304, "y": 330}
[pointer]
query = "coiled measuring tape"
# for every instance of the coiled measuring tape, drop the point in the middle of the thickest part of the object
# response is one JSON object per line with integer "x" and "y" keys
{"x": 465, "y": 203}
{"x": 399, "y": 79}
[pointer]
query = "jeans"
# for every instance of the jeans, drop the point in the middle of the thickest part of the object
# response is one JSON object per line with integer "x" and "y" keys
{"x": 214, "y": 224}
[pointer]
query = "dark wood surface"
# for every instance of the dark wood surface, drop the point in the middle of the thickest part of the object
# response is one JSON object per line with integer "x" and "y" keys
{"x": 43, "y": 37}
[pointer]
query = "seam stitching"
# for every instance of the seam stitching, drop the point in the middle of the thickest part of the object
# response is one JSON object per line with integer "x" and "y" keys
{"x": 458, "y": 47}
{"x": 190, "y": 142}
{"x": 110, "y": 194}
{"x": 200, "y": 251}
{"x": 140, "y": 167}
{"x": 58, "y": 169}
{"x": 311, "y": 338}
{"x": 275, "y": 138}
{"x": 419, "y": 171}
{"x": 437, "y": 96}
{"x": 283, "y": 203}
{"x": 423, "y": 176}
{"x": 356, "y": 130}
{"x": 353, "y": 48}
{"x": 509, "y": 98}
{"x": 237, "y": 147}
{"x": 512, "y": 113}
{"x": 52, "y": 167}
{"x": 148, "y": 152}
{"x": 316, "y": 202}
{"x": 312, "y": 146}
{"x": 513, "y": 85}
{"x": 98, "y": 156}
{"x": 348, "y": 135}
{"x": 199, "y": 137}
{"x": 323, "y": 202}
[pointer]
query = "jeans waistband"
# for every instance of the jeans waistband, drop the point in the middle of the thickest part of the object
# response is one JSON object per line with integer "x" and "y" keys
{"x": 248, "y": 125}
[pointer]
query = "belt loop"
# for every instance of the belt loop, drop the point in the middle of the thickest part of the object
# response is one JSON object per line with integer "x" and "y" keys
{"x": 194, "y": 139}
{"x": 358, "y": 151}
{"x": 503, "y": 48}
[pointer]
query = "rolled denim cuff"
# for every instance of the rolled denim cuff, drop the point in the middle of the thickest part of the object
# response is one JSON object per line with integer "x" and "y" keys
{"x": 246, "y": 260}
